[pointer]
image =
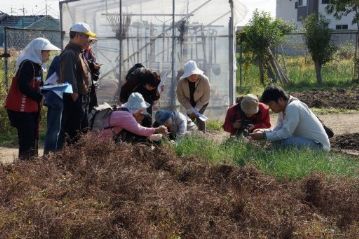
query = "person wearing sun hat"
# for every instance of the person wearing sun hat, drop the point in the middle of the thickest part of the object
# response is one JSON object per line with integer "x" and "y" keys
{"x": 128, "y": 118}
{"x": 248, "y": 114}
{"x": 23, "y": 102}
{"x": 75, "y": 70}
{"x": 193, "y": 92}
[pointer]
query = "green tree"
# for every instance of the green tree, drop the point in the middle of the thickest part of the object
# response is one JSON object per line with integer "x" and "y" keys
{"x": 340, "y": 8}
{"x": 261, "y": 34}
{"x": 317, "y": 37}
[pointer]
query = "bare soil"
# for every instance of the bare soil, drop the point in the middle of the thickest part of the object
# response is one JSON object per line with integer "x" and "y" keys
{"x": 346, "y": 141}
{"x": 333, "y": 98}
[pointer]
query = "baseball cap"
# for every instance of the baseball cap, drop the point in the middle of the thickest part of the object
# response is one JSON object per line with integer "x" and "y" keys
{"x": 83, "y": 28}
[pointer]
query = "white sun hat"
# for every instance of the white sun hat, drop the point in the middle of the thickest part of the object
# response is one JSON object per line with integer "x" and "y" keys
{"x": 136, "y": 102}
{"x": 32, "y": 51}
{"x": 191, "y": 68}
{"x": 83, "y": 28}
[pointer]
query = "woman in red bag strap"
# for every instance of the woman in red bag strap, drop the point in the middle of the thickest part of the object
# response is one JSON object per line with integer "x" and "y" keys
{"x": 24, "y": 98}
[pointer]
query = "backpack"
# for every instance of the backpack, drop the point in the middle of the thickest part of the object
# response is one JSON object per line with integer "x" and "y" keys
{"x": 99, "y": 117}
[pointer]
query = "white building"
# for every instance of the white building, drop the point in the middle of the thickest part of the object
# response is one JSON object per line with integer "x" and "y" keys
{"x": 294, "y": 11}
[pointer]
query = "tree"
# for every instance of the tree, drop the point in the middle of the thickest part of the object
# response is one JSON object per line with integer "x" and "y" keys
{"x": 317, "y": 37}
{"x": 340, "y": 8}
{"x": 260, "y": 35}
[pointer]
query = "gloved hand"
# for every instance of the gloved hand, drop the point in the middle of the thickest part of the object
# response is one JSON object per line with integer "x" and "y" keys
{"x": 155, "y": 137}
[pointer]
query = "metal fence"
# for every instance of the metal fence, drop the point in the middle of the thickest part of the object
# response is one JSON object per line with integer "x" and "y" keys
{"x": 15, "y": 40}
{"x": 163, "y": 35}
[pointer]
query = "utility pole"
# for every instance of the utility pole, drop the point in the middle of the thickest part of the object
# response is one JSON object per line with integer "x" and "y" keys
{"x": 45, "y": 7}
{"x": 23, "y": 14}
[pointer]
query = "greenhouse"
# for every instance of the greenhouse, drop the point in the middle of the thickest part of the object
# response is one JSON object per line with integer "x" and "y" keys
{"x": 162, "y": 35}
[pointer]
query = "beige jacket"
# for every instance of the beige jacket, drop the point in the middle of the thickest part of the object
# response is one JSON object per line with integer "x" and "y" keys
{"x": 201, "y": 94}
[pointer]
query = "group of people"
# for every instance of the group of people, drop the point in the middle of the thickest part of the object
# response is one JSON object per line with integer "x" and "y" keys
{"x": 74, "y": 73}
{"x": 297, "y": 125}
{"x": 70, "y": 95}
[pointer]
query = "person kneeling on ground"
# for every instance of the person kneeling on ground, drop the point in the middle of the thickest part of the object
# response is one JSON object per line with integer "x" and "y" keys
{"x": 193, "y": 92}
{"x": 128, "y": 119}
{"x": 245, "y": 116}
{"x": 297, "y": 125}
{"x": 177, "y": 123}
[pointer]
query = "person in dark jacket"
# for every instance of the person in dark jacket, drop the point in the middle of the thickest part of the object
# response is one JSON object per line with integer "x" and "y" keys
{"x": 74, "y": 70}
{"x": 23, "y": 102}
{"x": 94, "y": 67}
{"x": 145, "y": 82}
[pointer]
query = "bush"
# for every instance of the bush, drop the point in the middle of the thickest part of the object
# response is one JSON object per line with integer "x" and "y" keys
{"x": 101, "y": 190}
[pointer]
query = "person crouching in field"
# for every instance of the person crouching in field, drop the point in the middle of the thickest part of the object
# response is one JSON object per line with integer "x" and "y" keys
{"x": 245, "y": 116}
{"x": 193, "y": 92}
{"x": 127, "y": 121}
{"x": 144, "y": 81}
{"x": 297, "y": 125}
{"x": 177, "y": 123}
{"x": 23, "y": 102}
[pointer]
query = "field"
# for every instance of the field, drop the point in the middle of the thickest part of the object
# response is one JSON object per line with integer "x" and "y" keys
{"x": 204, "y": 186}
{"x": 101, "y": 190}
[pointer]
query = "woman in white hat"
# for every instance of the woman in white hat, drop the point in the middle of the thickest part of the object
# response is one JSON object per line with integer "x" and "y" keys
{"x": 193, "y": 92}
{"x": 23, "y": 101}
{"x": 128, "y": 119}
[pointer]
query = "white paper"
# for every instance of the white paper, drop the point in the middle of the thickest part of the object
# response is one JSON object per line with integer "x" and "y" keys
{"x": 52, "y": 80}
{"x": 65, "y": 88}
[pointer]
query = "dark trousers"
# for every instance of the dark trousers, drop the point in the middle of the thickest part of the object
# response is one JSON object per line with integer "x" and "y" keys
{"x": 73, "y": 117}
{"x": 27, "y": 125}
{"x": 54, "y": 114}
{"x": 200, "y": 124}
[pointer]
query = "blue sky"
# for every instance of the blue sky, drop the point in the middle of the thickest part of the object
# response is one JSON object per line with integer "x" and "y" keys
{"x": 38, "y": 7}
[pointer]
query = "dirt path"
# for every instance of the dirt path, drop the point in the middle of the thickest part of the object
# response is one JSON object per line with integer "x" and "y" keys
{"x": 340, "y": 123}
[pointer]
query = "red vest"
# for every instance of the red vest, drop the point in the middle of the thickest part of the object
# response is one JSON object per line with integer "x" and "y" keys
{"x": 19, "y": 102}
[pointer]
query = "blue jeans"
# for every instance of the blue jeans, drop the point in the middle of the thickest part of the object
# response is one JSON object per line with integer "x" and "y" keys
{"x": 54, "y": 114}
{"x": 298, "y": 142}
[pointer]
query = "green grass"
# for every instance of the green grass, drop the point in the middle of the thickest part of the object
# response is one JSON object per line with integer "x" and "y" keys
{"x": 301, "y": 72}
{"x": 323, "y": 111}
{"x": 283, "y": 164}
{"x": 214, "y": 125}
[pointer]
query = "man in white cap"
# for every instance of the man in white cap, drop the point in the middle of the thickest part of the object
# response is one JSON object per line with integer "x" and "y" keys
{"x": 74, "y": 70}
{"x": 247, "y": 115}
{"x": 193, "y": 92}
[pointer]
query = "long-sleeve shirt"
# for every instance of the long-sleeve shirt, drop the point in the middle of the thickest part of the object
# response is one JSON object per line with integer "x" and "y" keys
{"x": 298, "y": 120}
{"x": 261, "y": 120}
{"x": 179, "y": 121}
{"x": 72, "y": 68}
{"x": 201, "y": 94}
{"x": 29, "y": 70}
{"x": 120, "y": 120}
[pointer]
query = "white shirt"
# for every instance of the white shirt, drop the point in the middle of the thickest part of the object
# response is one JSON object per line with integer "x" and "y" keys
{"x": 298, "y": 120}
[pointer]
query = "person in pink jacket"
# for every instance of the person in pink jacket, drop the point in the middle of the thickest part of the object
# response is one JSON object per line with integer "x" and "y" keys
{"x": 128, "y": 119}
